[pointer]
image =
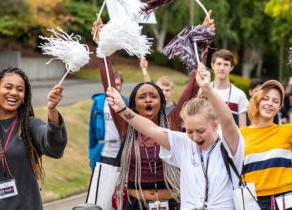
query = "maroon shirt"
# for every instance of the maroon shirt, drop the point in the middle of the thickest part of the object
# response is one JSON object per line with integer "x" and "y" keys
{"x": 147, "y": 178}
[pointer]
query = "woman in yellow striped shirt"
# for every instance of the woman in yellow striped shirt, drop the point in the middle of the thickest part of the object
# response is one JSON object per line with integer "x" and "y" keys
{"x": 268, "y": 151}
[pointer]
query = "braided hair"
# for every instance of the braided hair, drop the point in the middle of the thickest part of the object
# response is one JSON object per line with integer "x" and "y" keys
{"x": 171, "y": 173}
{"x": 25, "y": 111}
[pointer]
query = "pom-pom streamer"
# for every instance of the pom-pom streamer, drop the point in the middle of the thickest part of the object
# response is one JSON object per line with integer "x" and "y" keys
{"x": 133, "y": 7}
{"x": 66, "y": 48}
{"x": 183, "y": 45}
{"x": 122, "y": 34}
{"x": 152, "y": 4}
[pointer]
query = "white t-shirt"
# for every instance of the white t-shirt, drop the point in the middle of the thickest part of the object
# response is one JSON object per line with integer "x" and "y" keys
{"x": 112, "y": 139}
{"x": 237, "y": 101}
{"x": 184, "y": 153}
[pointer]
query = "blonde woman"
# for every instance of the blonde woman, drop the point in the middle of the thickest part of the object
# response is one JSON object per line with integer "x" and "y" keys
{"x": 203, "y": 183}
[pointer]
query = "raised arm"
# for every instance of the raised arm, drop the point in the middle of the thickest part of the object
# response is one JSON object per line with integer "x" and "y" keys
{"x": 189, "y": 92}
{"x": 144, "y": 68}
{"x": 158, "y": 134}
{"x": 228, "y": 125}
{"x": 120, "y": 124}
{"x": 54, "y": 98}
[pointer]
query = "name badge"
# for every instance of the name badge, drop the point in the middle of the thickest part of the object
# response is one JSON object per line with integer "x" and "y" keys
{"x": 158, "y": 205}
{"x": 8, "y": 189}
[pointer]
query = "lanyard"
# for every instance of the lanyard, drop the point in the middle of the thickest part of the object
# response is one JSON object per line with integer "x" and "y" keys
{"x": 229, "y": 93}
{"x": 205, "y": 171}
{"x": 4, "y": 149}
{"x": 152, "y": 171}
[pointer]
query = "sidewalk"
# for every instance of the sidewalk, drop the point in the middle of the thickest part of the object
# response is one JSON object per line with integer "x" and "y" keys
{"x": 50, "y": 83}
{"x": 66, "y": 203}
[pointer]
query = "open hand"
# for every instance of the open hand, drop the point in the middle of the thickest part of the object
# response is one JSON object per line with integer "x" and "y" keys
{"x": 96, "y": 29}
{"x": 114, "y": 99}
{"x": 143, "y": 63}
{"x": 209, "y": 22}
{"x": 55, "y": 96}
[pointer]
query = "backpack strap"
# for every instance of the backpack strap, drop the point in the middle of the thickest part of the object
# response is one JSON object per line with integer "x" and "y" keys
{"x": 229, "y": 162}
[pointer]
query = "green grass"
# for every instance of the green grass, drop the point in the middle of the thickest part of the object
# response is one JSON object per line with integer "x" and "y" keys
{"x": 71, "y": 174}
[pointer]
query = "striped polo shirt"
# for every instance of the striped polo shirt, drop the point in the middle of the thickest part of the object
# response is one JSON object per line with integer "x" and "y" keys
{"x": 268, "y": 158}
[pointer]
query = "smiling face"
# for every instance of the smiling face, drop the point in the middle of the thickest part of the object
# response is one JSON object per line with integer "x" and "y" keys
{"x": 147, "y": 102}
{"x": 12, "y": 93}
{"x": 269, "y": 104}
{"x": 201, "y": 129}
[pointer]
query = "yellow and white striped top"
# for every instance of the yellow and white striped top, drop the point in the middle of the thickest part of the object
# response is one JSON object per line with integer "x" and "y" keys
{"x": 268, "y": 158}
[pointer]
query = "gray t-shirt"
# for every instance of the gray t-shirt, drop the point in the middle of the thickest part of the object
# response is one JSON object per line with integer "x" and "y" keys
{"x": 48, "y": 140}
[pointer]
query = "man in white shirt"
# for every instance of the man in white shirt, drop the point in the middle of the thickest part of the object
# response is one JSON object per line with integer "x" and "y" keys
{"x": 222, "y": 64}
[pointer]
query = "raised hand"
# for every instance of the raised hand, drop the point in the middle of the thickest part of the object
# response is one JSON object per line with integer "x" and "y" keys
{"x": 55, "y": 96}
{"x": 143, "y": 63}
{"x": 209, "y": 22}
{"x": 96, "y": 29}
{"x": 114, "y": 99}
{"x": 203, "y": 77}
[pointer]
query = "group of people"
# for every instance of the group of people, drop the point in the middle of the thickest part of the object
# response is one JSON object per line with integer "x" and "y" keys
{"x": 174, "y": 159}
{"x": 170, "y": 153}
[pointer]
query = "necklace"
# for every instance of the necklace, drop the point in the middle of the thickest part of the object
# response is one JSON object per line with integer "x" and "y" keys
{"x": 229, "y": 93}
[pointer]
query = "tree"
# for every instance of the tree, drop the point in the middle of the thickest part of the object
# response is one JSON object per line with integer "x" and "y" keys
{"x": 281, "y": 12}
{"x": 23, "y": 21}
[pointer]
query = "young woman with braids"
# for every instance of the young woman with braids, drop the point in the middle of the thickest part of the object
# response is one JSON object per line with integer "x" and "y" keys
{"x": 147, "y": 178}
{"x": 204, "y": 184}
{"x": 24, "y": 139}
{"x": 145, "y": 175}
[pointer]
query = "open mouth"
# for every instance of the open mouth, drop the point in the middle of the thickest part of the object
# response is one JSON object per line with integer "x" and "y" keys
{"x": 200, "y": 143}
{"x": 11, "y": 101}
{"x": 149, "y": 108}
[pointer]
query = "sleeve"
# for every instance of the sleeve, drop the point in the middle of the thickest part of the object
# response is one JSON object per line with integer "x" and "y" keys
{"x": 243, "y": 103}
{"x": 47, "y": 138}
{"x": 94, "y": 148}
{"x": 176, "y": 141}
{"x": 120, "y": 124}
{"x": 189, "y": 92}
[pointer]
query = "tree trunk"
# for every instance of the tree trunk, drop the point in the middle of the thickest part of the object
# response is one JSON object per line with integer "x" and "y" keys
{"x": 259, "y": 66}
{"x": 281, "y": 61}
{"x": 160, "y": 35}
{"x": 251, "y": 58}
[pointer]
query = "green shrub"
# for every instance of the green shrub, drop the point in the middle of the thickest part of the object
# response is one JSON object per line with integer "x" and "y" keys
{"x": 240, "y": 82}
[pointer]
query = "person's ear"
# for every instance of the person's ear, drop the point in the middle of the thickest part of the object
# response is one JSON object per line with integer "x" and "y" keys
{"x": 231, "y": 68}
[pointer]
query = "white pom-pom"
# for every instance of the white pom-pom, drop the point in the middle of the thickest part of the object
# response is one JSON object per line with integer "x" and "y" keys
{"x": 66, "y": 48}
{"x": 122, "y": 34}
{"x": 133, "y": 7}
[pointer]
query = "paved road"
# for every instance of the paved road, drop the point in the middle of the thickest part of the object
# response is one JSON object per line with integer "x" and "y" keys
{"x": 67, "y": 203}
{"x": 75, "y": 90}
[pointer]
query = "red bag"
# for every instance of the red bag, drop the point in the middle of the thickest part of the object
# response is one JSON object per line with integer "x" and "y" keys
{"x": 115, "y": 198}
